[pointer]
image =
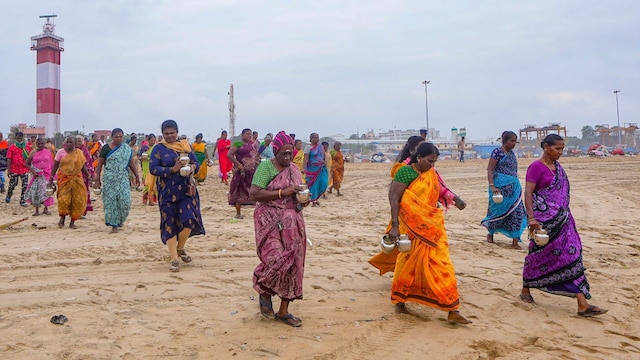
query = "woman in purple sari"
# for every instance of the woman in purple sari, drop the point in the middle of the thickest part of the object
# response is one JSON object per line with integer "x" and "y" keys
{"x": 280, "y": 231}
{"x": 245, "y": 158}
{"x": 556, "y": 267}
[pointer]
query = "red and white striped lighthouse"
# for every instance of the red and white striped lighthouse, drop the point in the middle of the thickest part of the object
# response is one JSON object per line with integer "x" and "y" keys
{"x": 48, "y": 47}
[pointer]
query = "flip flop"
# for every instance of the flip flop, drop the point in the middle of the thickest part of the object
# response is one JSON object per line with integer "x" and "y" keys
{"x": 289, "y": 319}
{"x": 184, "y": 256}
{"x": 592, "y": 310}
{"x": 266, "y": 308}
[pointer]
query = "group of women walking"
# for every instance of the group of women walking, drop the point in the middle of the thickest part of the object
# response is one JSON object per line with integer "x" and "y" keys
{"x": 418, "y": 198}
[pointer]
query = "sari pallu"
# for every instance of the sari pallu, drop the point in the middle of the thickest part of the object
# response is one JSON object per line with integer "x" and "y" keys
{"x": 36, "y": 191}
{"x": 508, "y": 217}
{"x": 556, "y": 267}
{"x": 72, "y": 194}
{"x": 424, "y": 275}
{"x": 280, "y": 241}
{"x": 199, "y": 151}
{"x": 316, "y": 173}
{"x": 116, "y": 193}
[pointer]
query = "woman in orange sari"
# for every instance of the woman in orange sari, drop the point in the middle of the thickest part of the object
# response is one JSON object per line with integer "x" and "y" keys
{"x": 70, "y": 164}
{"x": 424, "y": 275}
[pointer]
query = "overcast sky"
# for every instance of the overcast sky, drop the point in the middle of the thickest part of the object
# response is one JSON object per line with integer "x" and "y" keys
{"x": 332, "y": 67}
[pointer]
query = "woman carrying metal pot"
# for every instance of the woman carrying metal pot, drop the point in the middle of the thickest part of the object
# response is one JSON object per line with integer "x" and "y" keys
{"x": 173, "y": 163}
{"x": 280, "y": 230}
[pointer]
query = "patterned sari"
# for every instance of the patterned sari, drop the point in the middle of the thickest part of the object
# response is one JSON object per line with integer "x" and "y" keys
{"x": 72, "y": 194}
{"x": 556, "y": 267}
{"x": 425, "y": 274}
{"x": 316, "y": 173}
{"x": 241, "y": 181}
{"x": 223, "y": 161}
{"x": 116, "y": 193}
{"x": 508, "y": 217}
{"x": 280, "y": 241}
{"x": 36, "y": 191}
{"x": 199, "y": 150}
{"x": 178, "y": 210}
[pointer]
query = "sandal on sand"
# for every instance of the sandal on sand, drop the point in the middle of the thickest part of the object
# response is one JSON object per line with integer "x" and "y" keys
{"x": 592, "y": 310}
{"x": 266, "y": 308}
{"x": 184, "y": 256}
{"x": 238, "y": 216}
{"x": 289, "y": 319}
{"x": 527, "y": 298}
{"x": 175, "y": 266}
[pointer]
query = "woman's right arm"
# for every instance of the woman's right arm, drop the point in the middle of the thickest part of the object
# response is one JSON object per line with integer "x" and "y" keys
{"x": 156, "y": 168}
{"x": 491, "y": 167}
{"x": 395, "y": 195}
{"x": 529, "y": 188}
{"x": 56, "y": 165}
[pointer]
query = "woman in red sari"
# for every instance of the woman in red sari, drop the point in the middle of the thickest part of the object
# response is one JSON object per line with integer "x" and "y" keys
{"x": 222, "y": 146}
{"x": 280, "y": 231}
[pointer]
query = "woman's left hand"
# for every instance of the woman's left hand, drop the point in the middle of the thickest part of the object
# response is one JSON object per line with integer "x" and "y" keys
{"x": 459, "y": 203}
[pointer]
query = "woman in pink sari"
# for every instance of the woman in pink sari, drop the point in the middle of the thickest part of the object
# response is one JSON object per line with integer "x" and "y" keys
{"x": 280, "y": 231}
{"x": 39, "y": 164}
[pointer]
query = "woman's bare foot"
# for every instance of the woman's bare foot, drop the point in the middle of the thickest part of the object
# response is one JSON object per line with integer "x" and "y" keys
{"x": 454, "y": 317}
{"x": 490, "y": 239}
{"x": 72, "y": 225}
{"x": 61, "y": 222}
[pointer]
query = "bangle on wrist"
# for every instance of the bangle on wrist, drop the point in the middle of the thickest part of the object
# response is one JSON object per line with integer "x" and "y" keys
{"x": 490, "y": 184}
{"x": 394, "y": 222}
{"x": 280, "y": 194}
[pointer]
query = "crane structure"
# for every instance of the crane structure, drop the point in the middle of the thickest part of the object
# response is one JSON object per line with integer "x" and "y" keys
{"x": 232, "y": 114}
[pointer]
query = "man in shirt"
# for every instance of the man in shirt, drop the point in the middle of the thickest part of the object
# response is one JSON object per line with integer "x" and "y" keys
{"x": 17, "y": 166}
{"x": 461, "y": 149}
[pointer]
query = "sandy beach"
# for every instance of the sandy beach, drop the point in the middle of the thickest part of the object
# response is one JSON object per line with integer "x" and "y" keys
{"x": 123, "y": 303}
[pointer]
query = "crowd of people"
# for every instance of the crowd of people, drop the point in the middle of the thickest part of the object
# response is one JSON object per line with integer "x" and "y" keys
{"x": 279, "y": 177}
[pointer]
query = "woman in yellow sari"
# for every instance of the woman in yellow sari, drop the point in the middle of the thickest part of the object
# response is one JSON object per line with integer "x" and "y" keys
{"x": 70, "y": 164}
{"x": 424, "y": 275}
{"x": 200, "y": 149}
{"x": 298, "y": 157}
{"x": 149, "y": 193}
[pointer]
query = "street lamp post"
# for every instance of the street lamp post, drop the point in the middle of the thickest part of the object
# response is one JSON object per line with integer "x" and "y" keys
{"x": 426, "y": 106}
{"x": 618, "y": 114}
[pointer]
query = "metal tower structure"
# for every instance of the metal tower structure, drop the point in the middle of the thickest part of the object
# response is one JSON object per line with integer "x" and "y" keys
{"x": 48, "y": 47}
{"x": 232, "y": 114}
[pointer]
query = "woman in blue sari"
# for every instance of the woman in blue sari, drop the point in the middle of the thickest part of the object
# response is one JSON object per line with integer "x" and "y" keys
{"x": 178, "y": 197}
{"x": 314, "y": 169}
{"x": 507, "y": 217}
{"x": 116, "y": 157}
{"x": 555, "y": 267}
